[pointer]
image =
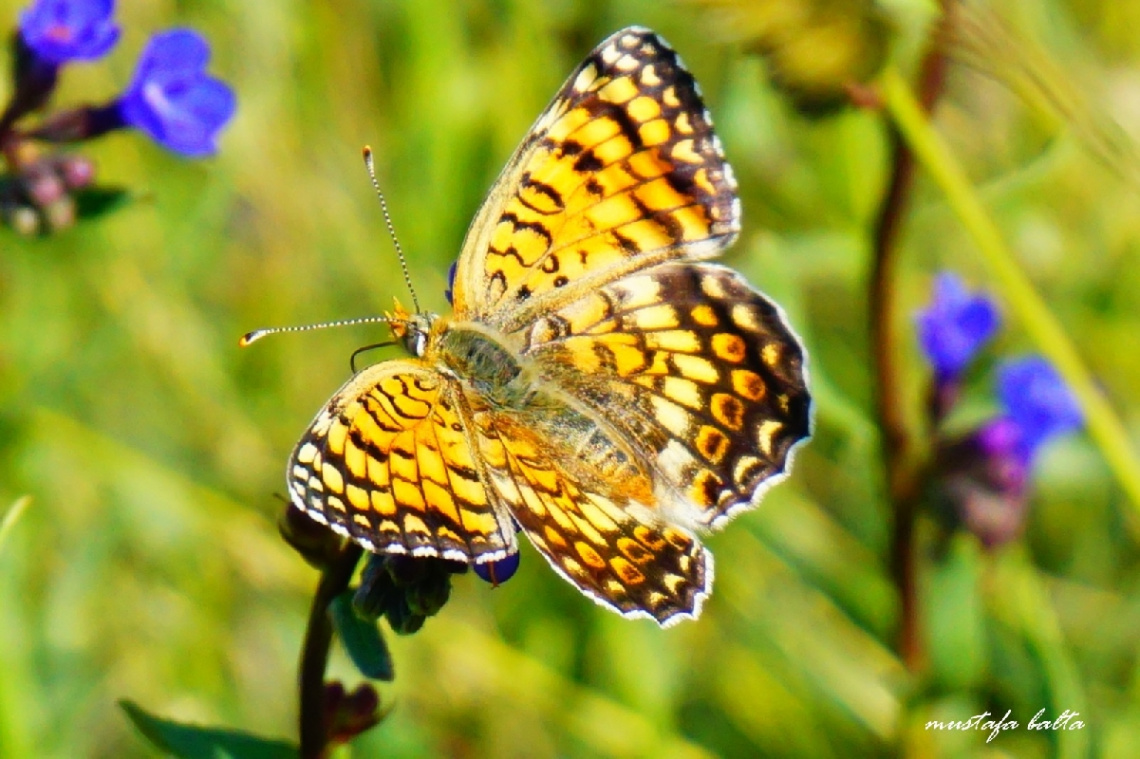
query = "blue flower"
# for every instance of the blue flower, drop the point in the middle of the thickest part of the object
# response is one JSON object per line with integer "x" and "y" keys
{"x": 1000, "y": 443}
{"x": 69, "y": 30}
{"x": 955, "y": 326}
{"x": 1037, "y": 402}
{"x": 497, "y": 572}
{"x": 173, "y": 99}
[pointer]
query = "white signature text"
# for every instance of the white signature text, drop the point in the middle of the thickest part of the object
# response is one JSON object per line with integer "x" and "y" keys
{"x": 1068, "y": 720}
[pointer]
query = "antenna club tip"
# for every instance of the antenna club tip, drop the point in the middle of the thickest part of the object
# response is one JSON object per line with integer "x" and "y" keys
{"x": 248, "y": 338}
{"x": 366, "y": 151}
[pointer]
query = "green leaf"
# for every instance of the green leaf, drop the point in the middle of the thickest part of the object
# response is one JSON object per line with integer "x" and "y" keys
{"x": 94, "y": 202}
{"x": 362, "y": 639}
{"x": 955, "y": 619}
{"x": 198, "y": 742}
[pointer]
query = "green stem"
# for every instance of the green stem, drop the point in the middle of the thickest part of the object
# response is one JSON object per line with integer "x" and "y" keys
{"x": 1039, "y": 322}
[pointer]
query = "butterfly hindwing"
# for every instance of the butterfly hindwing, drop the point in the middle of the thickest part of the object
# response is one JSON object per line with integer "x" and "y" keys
{"x": 690, "y": 365}
{"x": 617, "y": 552}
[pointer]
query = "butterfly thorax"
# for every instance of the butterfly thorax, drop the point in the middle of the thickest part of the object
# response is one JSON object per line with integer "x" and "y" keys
{"x": 514, "y": 398}
{"x": 480, "y": 361}
{"x": 505, "y": 393}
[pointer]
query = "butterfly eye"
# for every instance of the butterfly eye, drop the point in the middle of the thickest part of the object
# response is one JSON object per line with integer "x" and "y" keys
{"x": 419, "y": 342}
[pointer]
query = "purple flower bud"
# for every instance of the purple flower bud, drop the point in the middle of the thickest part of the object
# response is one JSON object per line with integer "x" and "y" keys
{"x": 1000, "y": 443}
{"x": 43, "y": 185}
{"x": 985, "y": 476}
{"x": 955, "y": 326}
{"x": 69, "y": 30}
{"x": 76, "y": 171}
{"x": 498, "y": 572}
{"x": 348, "y": 714}
{"x": 984, "y": 482}
{"x": 1037, "y": 401}
{"x": 173, "y": 99}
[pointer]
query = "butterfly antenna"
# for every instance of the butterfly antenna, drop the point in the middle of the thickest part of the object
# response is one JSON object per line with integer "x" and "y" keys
{"x": 391, "y": 229}
{"x": 252, "y": 337}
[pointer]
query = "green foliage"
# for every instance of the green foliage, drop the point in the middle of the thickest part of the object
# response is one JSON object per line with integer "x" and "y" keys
{"x": 361, "y": 639}
{"x": 149, "y": 566}
{"x": 97, "y": 201}
{"x": 196, "y": 742}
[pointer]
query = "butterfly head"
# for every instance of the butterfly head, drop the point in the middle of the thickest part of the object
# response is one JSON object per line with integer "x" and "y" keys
{"x": 410, "y": 329}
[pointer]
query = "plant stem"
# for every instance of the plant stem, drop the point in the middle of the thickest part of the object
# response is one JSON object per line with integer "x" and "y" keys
{"x": 315, "y": 651}
{"x": 901, "y": 458}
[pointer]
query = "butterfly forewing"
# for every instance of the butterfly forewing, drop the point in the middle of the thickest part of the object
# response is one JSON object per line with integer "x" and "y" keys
{"x": 623, "y": 170}
{"x": 389, "y": 463}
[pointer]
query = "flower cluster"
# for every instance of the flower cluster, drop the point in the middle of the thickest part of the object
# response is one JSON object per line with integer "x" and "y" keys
{"x": 983, "y": 476}
{"x": 171, "y": 99}
{"x": 405, "y": 589}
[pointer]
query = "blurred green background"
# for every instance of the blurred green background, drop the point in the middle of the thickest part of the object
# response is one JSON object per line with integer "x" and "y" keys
{"x": 148, "y": 566}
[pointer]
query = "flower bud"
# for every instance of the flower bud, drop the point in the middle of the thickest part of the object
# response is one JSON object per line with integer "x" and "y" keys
{"x": 21, "y": 218}
{"x": 42, "y": 185}
{"x": 76, "y": 171}
{"x": 401, "y": 618}
{"x": 316, "y": 543}
{"x": 60, "y": 214}
{"x": 376, "y": 588}
{"x": 429, "y": 596}
{"x": 983, "y": 483}
{"x": 954, "y": 327}
{"x": 347, "y": 715}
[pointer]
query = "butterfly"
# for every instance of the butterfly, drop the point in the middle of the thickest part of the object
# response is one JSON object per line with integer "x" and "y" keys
{"x": 599, "y": 387}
